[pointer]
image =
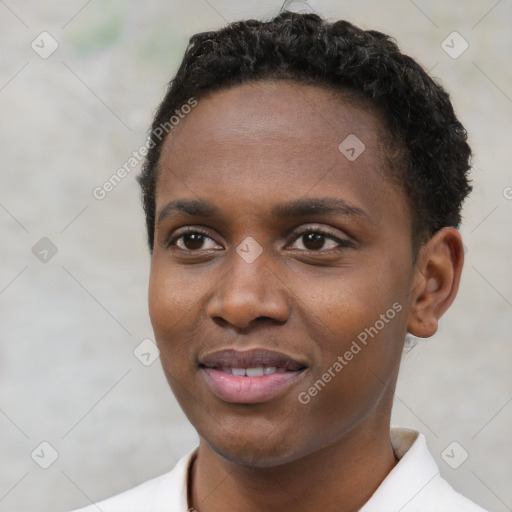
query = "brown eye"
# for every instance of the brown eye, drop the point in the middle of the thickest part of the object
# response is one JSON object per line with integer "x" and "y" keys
{"x": 313, "y": 241}
{"x": 193, "y": 240}
{"x": 320, "y": 241}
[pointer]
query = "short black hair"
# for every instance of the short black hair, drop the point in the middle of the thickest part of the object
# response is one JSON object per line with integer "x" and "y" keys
{"x": 435, "y": 157}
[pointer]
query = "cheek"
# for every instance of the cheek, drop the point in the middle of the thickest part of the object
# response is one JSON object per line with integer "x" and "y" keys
{"x": 352, "y": 300}
{"x": 360, "y": 317}
{"x": 173, "y": 304}
{"x": 173, "y": 295}
{"x": 359, "y": 331}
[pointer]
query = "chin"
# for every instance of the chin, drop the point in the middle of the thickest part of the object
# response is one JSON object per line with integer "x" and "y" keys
{"x": 254, "y": 447}
{"x": 252, "y": 456}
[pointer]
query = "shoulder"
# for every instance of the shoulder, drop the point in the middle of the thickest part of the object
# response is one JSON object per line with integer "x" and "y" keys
{"x": 165, "y": 493}
{"x": 415, "y": 483}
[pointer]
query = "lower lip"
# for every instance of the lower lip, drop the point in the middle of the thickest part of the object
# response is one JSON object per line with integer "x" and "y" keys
{"x": 249, "y": 390}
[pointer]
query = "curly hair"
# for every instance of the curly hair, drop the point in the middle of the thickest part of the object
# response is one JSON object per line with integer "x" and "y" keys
{"x": 432, "y": 143}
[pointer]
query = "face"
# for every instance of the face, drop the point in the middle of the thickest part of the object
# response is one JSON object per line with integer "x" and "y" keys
{"x": 281, "y": 271}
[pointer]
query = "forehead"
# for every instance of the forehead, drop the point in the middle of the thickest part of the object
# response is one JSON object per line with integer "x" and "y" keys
{"x": 260, "y": 110}
{"x": 270, "y": 139}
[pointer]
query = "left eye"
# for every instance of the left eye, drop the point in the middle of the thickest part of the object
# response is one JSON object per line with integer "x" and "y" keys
{"x": 317, "y": 240}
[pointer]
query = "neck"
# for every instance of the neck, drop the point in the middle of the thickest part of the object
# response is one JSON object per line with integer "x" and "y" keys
{"x": 341, "y": 475}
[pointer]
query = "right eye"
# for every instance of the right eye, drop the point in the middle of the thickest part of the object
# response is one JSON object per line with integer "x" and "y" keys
{"x": 193, "y": 239}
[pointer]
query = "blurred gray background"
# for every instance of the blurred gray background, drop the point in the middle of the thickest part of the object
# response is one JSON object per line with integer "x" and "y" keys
{"x": 74, "y": 269}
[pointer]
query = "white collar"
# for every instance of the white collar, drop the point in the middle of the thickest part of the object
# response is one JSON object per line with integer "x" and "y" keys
{"x": 413, "y": 485}
{"x": 415, "y": 470}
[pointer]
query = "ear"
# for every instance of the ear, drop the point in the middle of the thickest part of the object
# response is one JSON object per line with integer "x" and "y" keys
{"x": 436, "y": 281}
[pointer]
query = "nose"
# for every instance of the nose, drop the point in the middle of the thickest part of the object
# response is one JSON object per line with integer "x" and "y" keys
{"x": 249, "y": 293}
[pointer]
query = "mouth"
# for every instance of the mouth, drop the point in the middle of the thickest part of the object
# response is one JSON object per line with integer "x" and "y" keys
{"x": 251, "y": 376}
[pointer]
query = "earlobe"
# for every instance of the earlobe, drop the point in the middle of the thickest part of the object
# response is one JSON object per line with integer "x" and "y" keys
{"x": 436, "y": 282}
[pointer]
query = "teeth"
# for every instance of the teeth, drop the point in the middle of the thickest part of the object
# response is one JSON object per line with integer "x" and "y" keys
{"x": 257, "y": 371}
{"x": 254, "y": 372}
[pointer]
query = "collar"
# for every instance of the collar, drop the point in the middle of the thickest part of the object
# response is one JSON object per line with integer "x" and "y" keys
{"x": 413, "y": 485}
{"x": 415, "y": 470}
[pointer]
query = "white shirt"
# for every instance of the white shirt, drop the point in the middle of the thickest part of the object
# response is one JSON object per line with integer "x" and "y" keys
{"x": 413, "y": 485}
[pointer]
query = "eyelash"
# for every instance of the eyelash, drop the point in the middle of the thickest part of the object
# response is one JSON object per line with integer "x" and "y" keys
{"x": 342, "y": 243}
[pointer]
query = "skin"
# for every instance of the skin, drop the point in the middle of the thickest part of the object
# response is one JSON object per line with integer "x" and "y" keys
{"x": 246, "y": 150}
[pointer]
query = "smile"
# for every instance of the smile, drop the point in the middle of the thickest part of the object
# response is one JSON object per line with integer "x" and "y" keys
{"x": 250, "y": 377}
{"x": 257, "y": 371}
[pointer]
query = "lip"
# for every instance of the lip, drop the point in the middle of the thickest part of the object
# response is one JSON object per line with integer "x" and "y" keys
{"x": 217, "y": 367}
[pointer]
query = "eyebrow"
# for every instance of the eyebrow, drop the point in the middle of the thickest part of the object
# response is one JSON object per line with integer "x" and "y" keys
{"x": 306, "y": 207}
{"x": 192, "y": 207}
{"x": 318, "y": 206}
